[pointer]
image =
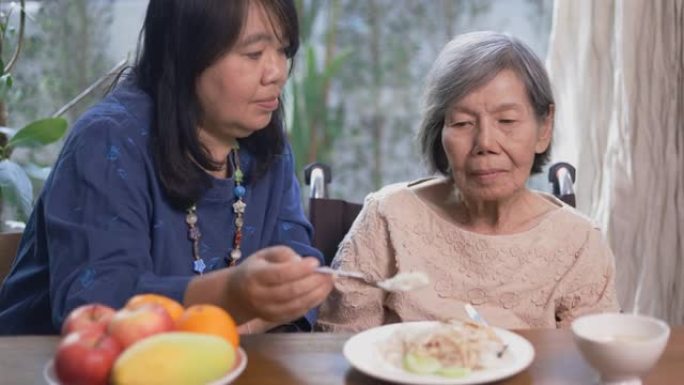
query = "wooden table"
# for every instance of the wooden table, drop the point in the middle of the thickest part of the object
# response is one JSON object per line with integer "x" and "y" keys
{"x": 316, "y": 359}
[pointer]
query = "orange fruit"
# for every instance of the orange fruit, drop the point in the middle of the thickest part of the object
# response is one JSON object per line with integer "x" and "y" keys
{"x": 209, "y": 319}
{"x": 172, "y": 306}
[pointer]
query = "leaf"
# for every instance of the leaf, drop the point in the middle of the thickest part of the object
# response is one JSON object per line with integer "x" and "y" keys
{"x": 39, "y": 133}
{"x": 15, "y": 183}
{"x": 6, "y": 82}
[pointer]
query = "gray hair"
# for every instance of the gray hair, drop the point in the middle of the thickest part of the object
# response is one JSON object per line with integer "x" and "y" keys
{"x": 466, "y": 63}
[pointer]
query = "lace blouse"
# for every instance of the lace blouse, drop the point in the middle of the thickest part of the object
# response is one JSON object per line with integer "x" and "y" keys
{"x": 543, "y": 277}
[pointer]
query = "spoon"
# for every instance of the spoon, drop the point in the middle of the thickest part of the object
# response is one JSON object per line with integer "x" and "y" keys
{"x": 345, "y": 273}
{"x": 475, "y": 316}
{"x": 400, "y": 282}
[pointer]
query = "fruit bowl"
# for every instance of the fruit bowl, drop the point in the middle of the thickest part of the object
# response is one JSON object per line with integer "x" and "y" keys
{"x": 237, "y": 369}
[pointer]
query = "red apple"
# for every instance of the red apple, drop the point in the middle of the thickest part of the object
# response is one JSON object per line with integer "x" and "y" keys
{"x": 130, "y": 325}
{"x": 86, "y": 357}
{"x": 92, "y": 316}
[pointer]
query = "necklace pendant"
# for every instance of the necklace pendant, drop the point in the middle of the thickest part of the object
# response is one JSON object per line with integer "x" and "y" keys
{"x": 239, "y": 206}
{"x": 191, "y": 216}
{"x": 199, "y": 266}
{"x": 194, "y": 233}
{"x": 235, "y": 254}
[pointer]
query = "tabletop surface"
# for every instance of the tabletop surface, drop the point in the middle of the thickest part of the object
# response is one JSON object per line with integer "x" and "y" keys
{"x": 316, "y": 359}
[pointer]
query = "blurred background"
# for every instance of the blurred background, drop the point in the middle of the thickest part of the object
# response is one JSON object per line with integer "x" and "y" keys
{"x": 617, "y": 68}
{"x": 353, "y": 101}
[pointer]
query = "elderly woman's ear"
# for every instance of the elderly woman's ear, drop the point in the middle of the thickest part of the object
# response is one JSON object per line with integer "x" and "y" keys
{"x": 546, "y": 131}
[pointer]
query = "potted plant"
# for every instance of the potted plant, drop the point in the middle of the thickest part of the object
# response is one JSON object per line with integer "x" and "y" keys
{"x": 16, "y": 189}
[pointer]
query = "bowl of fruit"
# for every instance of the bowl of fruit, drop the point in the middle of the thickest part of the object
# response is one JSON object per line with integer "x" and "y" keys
{"x": 151, "y": 340}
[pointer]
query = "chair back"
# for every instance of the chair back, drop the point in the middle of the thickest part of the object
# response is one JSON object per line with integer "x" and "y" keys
{"x": 331, "y": 219}
{"x": 9, "y": 243}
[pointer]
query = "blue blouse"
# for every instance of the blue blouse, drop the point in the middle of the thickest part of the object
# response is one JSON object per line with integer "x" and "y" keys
{"x": 103, "y": 231}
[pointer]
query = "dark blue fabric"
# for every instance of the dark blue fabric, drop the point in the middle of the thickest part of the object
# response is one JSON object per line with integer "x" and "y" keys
{"x": 103, "y": 231}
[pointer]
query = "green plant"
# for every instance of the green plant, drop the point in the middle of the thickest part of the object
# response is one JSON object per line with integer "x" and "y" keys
{"x": 16, "y": 188}
{"x": 15, "y": 184}
{"x": 315, "y": 122}
{"x": 314, "y": 125}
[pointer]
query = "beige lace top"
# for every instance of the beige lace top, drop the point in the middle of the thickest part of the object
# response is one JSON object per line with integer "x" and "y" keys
{"x": 540, "y": 278}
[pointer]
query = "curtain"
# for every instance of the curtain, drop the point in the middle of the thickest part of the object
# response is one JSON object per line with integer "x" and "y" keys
{"x": 617, "y": 68}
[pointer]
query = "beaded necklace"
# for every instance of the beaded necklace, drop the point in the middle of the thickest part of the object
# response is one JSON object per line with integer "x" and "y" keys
{"x": 239, "y": 206}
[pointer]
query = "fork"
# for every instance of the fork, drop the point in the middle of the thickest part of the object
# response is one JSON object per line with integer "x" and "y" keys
{"x": 475, "y": 316}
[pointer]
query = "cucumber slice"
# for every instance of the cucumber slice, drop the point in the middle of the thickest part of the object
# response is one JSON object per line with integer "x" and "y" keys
{"x": 453, "y": 371}
{"x": 421, "y": 364}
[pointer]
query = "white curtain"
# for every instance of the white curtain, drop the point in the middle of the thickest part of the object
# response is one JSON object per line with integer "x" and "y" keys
{"x": 618, "y": 72}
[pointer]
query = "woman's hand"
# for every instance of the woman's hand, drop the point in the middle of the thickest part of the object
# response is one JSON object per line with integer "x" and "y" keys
{"x": 274, "y": 284}
{"x": 277, "y": 285}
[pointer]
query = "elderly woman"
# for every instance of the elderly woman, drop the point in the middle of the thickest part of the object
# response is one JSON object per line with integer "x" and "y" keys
{"x": 522, "y": 258}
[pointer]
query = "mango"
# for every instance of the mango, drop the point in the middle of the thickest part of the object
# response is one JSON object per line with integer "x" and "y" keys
{"x": 174, "y": 358}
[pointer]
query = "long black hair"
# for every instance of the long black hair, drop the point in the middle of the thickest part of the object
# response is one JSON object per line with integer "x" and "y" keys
{"x": 179, "y": 40}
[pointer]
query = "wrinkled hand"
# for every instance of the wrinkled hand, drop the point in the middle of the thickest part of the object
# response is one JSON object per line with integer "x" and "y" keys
{"x": 277, "y": 285}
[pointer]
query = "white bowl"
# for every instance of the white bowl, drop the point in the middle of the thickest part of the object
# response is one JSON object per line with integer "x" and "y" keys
{"x": 621, "y": 347}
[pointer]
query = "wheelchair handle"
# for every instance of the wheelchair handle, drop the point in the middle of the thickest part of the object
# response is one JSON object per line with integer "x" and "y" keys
{"x": 317, "y": 175}
{"x": 562, "y": 178}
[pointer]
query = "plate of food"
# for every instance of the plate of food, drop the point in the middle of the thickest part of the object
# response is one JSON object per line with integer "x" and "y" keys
{"x": 238, "y": 367}
{"x": 439, "y": 353}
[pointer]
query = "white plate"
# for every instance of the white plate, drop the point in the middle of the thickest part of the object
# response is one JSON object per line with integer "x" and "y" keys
{"x": 238, "y": 367}
{"x": 362, "y": 352}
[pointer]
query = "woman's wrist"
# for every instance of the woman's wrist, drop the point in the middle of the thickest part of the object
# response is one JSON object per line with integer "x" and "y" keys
{"x": 214, "y": 288}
